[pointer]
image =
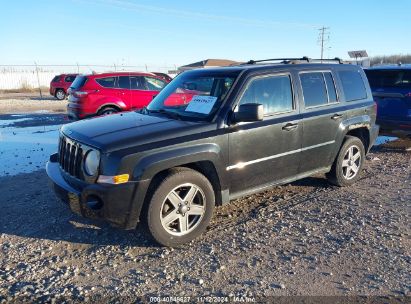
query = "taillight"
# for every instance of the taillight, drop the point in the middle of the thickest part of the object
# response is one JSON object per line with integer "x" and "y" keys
{"x": 408, "y": 94}
{"x": 376, "y": 107}
{"x": 80, "y": 93}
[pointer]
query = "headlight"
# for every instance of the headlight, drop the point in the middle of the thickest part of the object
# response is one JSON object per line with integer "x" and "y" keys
{"x": 91, "y": 162}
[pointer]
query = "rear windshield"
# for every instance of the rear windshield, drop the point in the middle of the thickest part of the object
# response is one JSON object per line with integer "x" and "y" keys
{"x": 56, "y": 78}
{"x": 389, "y": 78}
{"x": 78, "y": 82}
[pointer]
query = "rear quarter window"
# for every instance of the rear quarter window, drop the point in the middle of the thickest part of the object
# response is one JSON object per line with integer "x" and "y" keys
{"x": 352, "y": 85}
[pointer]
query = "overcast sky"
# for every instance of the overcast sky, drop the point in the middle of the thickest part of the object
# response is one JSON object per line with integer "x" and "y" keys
{"x": 135, "y": 32}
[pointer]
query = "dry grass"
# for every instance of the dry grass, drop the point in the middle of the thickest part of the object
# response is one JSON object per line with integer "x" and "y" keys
{"x": 25, "y": 89}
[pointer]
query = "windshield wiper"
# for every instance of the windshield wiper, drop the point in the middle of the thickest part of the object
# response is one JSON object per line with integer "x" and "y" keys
{"x": 170, "y": 114}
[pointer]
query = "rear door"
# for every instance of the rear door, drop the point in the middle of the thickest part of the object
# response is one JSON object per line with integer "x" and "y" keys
{"x": 267, "y": 151}
{"x": 322, "y": 116}
{"x": 392, "y": 92}
{"x": 108, "y": 90}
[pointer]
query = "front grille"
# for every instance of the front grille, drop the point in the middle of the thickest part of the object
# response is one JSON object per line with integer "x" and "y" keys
{"x": 71, "y": 157}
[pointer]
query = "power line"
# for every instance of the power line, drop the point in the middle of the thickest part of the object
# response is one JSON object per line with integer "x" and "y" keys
{"x": 323, "y": 39}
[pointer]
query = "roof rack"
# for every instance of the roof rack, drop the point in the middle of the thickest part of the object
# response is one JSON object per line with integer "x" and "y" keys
{"x": 296, "y": 60}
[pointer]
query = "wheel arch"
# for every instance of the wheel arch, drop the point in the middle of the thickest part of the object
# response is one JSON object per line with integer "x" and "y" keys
{"x": 204, "y": 158}
{"x": 109, "y": 105}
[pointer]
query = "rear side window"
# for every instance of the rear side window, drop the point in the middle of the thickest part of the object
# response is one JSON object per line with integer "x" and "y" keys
{"x": 352, "y": 85}
{"x": 107, "y": 82}
{"x": 124, "y": 82}
{"x": 314, "y": 89}
{"x": 318, "y": 88}
{"x": 79, "y": 82}
{"x": 389, "y": 78}
{"x": 273, "y": 92}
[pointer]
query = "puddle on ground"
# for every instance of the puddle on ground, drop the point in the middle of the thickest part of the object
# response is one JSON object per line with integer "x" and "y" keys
{"x": 25, "y": 146}
{"x": 384, "y": 139}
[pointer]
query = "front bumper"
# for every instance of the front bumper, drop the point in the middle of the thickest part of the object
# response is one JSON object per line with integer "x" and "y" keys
{"x": 120, "y": 205}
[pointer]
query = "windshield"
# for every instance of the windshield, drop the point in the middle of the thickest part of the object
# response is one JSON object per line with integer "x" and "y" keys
{"x": 193, "y": 96}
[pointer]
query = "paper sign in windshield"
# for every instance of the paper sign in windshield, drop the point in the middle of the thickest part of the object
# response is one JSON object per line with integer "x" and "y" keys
{"x": 201, "y": 104}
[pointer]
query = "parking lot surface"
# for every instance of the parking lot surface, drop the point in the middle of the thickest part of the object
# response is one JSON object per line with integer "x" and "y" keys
{"x": 306, "y": 238}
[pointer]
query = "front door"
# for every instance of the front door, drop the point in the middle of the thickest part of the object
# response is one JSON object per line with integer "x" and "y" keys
{"x": 268, "y": 151}
{"x": 144, "y": 89}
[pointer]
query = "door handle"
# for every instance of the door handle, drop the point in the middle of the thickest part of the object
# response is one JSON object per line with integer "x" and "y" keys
{"x": 336, "y": 116}
{"x": 290, "y": 126}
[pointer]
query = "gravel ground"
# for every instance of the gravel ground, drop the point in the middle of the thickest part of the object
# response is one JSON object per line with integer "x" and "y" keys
{"x": 305, "y": 239}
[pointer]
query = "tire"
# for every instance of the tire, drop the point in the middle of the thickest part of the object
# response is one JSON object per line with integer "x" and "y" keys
{"x": 60, "y": 94}
{"x": 173, "y": 219}
{"x": 107, "y": 111}
{"x": 346, "y": 169}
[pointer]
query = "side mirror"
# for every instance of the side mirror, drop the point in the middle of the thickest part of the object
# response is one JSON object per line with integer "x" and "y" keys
{"x": 248, "y": 112}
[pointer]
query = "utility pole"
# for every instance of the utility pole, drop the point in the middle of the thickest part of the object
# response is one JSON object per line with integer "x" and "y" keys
{"x": 323, "y": 39}
{"x": 38, "y": 79}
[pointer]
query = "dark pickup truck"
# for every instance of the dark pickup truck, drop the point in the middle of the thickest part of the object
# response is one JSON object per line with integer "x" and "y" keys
{"x": 241, "y": 130}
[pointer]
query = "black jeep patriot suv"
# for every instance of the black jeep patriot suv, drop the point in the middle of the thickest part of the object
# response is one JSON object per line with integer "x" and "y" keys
{"x": 213, "y": 135}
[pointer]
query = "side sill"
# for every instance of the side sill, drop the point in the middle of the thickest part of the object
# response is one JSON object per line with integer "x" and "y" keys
{"x": 279, "y": 182}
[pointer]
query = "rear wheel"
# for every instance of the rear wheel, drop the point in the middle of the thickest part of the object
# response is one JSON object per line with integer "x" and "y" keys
{"x": 180, "y": 208}
{"x": 107, "y": 111}
{"x": 60, "y": 94}
{"x": 348, "y": 164}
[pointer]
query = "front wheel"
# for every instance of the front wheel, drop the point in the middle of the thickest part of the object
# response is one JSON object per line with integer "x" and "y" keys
{"x": 180, "y": 208}
{"x": 349, "y": 162}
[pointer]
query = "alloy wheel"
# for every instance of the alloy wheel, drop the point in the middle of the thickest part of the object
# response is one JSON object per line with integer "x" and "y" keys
{"x": 351, "y": 162}
{"x": 183, "y": 209}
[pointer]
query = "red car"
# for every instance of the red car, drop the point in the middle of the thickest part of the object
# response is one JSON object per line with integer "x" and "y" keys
{"x": 107, "y": 93}
{"x": 60, "y": 84}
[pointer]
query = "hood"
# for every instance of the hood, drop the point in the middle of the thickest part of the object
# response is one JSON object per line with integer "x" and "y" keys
{"x": 130, "y": 129}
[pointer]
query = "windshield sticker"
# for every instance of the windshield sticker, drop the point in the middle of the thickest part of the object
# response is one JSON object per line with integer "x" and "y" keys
{"x": 201, "y": 104}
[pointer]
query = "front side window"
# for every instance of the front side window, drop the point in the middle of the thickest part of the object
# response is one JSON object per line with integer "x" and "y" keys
{"x": 137, "y": 83}
{"x": 273, "y": 92}
{"x": 193, "y": 95}
{"x": 352, "y": 85}
{"x": 107, "y": 82}
{"x": 154, "y": 84}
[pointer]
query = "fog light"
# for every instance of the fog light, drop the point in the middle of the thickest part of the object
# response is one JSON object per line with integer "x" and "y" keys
{"x": 94, "y": 203}
{"x": 117, "y": 179}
